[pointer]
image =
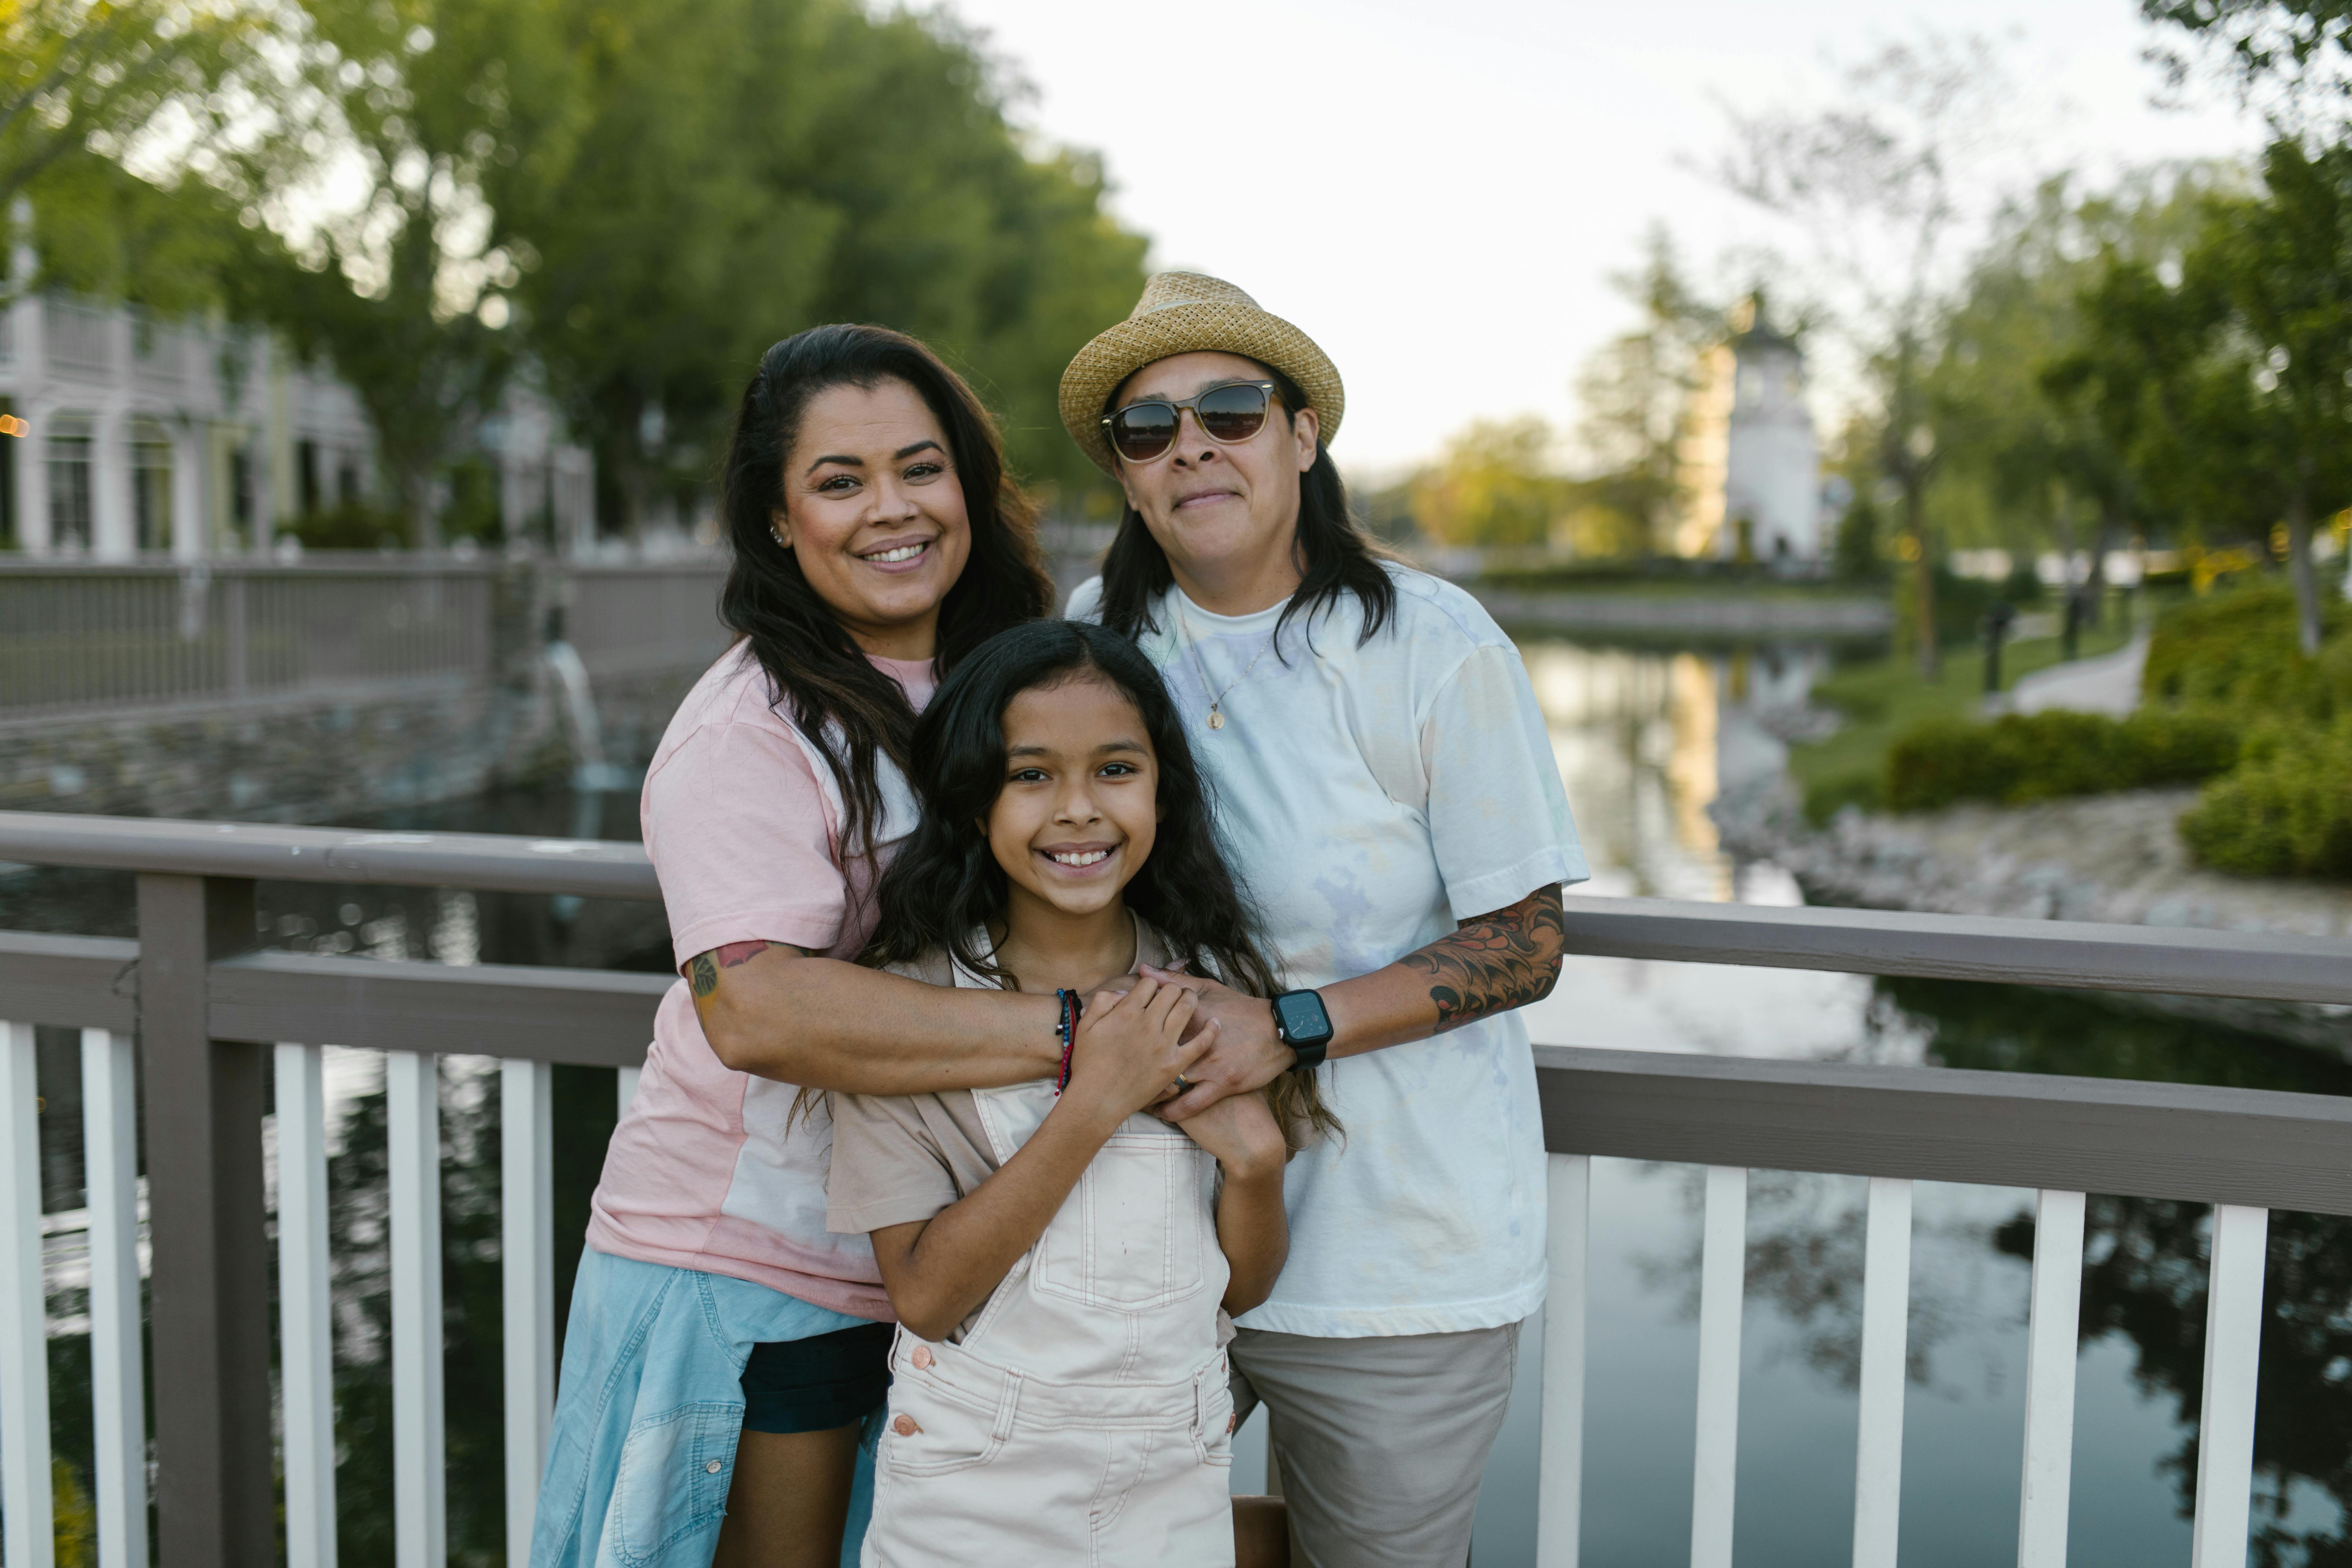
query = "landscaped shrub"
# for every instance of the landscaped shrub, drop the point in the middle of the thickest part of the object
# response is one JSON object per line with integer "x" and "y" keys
{"x": 2286, "y": 810}
{"x": 1861, "y": 788}
{"x": 2021, "y": 757}
{"x": 348, "y": 525}
{"x": 2235, "y": 650}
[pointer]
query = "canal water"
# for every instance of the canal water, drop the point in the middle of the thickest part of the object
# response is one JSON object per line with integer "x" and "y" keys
{"x": 1647, "y": 738}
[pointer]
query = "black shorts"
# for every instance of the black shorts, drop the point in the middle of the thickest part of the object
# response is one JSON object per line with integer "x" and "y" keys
{"x": 818, "y": 1383}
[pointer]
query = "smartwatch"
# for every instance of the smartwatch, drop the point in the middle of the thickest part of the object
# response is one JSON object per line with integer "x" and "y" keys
{"x": 1300, "y": 1023}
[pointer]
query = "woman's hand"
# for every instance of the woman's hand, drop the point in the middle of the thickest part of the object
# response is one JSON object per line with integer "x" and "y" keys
{"x": 1252, "y": 1230}
{"x": 1130, "y": 1047}
{"x": 1241, "y": 1131}
{"x": 1244, "y": 1053}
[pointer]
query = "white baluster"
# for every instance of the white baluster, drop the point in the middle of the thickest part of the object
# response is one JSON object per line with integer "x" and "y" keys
{"x": 2051, "y": 1341}
{"x": 306, "y": 1345}
{"x": 1559, "y": 1488}
{"x": 1723, "y": 1277}
{"x": 27, "y": 1516}
{"x": 1885, "y": 1324}
{"x": 526, "y": 1247}
{"x": 117, "y": 1370}
{"x": 625, "y": 1088}
{"x": 2225, "y": 1424}
{"x": 419, "y": 1471}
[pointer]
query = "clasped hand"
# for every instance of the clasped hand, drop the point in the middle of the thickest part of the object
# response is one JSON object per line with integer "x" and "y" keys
{"x": 1132, "y": 1046}
{"x": 1243, "y": 1054}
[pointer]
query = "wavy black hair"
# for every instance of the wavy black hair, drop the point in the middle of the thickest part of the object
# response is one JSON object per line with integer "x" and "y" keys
{"x": 1334, "y": 555}
{"x": 849, "y": 709}
{"x": 945, "y": 888}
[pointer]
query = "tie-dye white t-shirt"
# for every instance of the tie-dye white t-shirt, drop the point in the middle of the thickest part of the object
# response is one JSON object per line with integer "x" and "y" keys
{"x": 1372, "y": 796}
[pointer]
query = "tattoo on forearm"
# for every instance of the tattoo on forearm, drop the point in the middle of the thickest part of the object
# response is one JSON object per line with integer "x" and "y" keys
{"x": 1496, "y": 962}
{"x": 702, "y": 970}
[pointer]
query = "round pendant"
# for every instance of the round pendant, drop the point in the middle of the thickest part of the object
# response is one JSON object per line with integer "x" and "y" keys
{"x": 1216, "y": 719}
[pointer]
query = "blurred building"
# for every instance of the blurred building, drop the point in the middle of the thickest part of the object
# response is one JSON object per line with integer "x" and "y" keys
{"x": 1751, "y": 462}
{"x": 127, "y": 434}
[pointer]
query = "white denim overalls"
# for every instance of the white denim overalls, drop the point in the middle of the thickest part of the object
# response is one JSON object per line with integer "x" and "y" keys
{"x": 1085, "y": 1418}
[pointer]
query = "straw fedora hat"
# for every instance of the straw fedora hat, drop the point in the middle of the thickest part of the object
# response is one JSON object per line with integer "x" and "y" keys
{"x": 1185, "y": 312}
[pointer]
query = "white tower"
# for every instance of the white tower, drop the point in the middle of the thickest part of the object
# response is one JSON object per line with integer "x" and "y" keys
{"x": 1771, "y": 488}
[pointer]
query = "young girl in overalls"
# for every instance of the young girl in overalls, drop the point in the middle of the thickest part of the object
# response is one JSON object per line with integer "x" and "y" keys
{"x": 1063, "y": 1264}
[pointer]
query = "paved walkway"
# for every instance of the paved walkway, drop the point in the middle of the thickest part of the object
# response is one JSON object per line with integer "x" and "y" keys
{"x": 2109, "y": 684}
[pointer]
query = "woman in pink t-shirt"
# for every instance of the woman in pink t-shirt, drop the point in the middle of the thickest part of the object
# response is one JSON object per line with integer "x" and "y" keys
{"x": 724, "y": 1348}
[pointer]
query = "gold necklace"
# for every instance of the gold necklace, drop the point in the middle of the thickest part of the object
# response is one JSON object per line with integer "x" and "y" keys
{"x": 1216, "y": 703}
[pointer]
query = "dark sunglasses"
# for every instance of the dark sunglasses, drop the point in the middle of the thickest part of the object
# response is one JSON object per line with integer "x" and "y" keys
{"x": 1228, "y": 414}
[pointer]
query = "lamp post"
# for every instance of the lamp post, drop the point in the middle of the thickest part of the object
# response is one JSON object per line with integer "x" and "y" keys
{"x": 1998, "y": 618}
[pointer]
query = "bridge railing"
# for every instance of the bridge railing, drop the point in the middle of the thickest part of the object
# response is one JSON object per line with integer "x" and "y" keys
{"x": 79, "y": 636}
{"x": 204, "y": 1021}
{"x": 76, "y": 636}
{"x": 640, "y": 619}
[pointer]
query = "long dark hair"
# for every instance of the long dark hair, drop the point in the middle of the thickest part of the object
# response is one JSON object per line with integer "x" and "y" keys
{"x": 945, "y": 888}
{"x": 850, "y": 710}
{"x": 1336, "y": 556}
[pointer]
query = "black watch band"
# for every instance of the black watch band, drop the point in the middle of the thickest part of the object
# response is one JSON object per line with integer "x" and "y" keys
{"x": 1301, "y": 1022}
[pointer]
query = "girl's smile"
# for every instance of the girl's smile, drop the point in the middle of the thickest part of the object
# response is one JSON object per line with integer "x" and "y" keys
{"x": 1080, "y": 859}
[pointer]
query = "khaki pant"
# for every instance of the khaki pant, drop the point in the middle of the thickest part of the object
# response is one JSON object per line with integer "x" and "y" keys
{"x": 1381, "y": 1440}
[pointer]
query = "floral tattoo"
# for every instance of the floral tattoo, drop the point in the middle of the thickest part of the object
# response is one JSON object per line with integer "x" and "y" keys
{"x": 1496, "y": 962}
{"x": 702, "y": 970}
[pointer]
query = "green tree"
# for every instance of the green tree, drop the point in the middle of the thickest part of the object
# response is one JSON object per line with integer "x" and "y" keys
{"x": 397, "y": 286}
{"x": 104, "y": 76}
{"x": 1496, "y": 483}
{"x": 748, "y": 168}
{"x": 1636, "y": 394}
{"x": 2295, "y": 51}
{"x": 952, "y": 230}
{"x": 2023, "y": 402}
{"x": 2228, "y": 381}
{"x": 101, "y": 230}
{"x": 2280, "y": 266}
{"x": 661, "y": 254}
{"x": 628, "y": 200}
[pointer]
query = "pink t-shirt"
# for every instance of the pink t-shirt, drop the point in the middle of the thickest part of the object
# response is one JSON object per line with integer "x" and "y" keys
{"x": 742, "y": 822}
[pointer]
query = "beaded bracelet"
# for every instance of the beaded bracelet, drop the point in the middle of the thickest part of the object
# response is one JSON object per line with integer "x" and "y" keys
{"x": 1065, "y": 1029}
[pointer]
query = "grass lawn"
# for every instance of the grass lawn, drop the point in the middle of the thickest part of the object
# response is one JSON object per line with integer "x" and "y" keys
{"x": 1884, "y": 697}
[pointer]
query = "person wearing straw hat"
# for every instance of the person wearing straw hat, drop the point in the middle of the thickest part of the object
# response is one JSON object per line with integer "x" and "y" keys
{"x": 1388, "y": 790}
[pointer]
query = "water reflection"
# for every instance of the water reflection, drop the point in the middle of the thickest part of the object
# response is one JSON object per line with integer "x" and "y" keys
{"x": 471, "y": 1291}
{"x": 1645, "y": 741}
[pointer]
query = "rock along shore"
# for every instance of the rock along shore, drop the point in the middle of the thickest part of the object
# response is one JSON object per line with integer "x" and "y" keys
{"x": 2112, "y": 857}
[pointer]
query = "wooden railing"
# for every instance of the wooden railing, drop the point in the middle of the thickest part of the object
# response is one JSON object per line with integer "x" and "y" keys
{"x": 211, "y": 1019}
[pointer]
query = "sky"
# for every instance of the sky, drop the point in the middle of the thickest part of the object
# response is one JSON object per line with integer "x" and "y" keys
{"x": 1439, "y": 192}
